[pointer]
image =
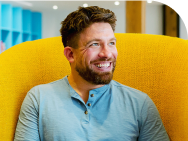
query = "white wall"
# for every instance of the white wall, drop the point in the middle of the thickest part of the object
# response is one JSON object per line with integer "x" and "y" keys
{"x": 183, "y": 30}
{"x": 51, "y": 21}
{"x": 121, "y": 20}
{"x": 154, "y": 21}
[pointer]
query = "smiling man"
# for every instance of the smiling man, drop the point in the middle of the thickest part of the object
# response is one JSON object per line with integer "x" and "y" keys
{"x": 93, "y": 60}
{"x": 88, "y": 105}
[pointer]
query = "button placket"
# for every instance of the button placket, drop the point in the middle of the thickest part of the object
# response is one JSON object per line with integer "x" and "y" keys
{"x": 88, "y": 105}
{"x": 86, "y": 112}
{"x": 92, "y": 95}
{"x": 90, "y": 100}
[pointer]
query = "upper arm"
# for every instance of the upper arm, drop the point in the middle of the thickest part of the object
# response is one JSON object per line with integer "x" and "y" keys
{"x": 27, "y": 126}
{"x": 152, "y": 128}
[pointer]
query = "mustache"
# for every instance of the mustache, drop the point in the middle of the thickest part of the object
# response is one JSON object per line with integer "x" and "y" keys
{"x": 103, "y": 59}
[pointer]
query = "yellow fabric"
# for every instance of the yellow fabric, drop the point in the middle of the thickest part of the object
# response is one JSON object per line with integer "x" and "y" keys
{"x": 154, "y": 64}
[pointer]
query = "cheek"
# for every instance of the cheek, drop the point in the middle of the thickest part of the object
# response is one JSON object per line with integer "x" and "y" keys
{"x": 90, "y": 55}
{"x": 115, "y": 53}
{"x": 86, "y": 57}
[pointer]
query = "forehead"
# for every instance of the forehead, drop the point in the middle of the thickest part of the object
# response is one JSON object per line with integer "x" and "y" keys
{"x": 101, "y": 31}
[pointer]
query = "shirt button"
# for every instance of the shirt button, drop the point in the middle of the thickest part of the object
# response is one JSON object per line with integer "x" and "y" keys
{"x": 86, "y": 112}
{"x": 92, "y": 95}
{"x": 89, "y": 104}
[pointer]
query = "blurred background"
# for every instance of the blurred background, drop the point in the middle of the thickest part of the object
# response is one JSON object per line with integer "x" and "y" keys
{"x": 48, "y": 14}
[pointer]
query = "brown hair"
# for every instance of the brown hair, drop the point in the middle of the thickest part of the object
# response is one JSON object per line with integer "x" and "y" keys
{"x": 82, "y": 18}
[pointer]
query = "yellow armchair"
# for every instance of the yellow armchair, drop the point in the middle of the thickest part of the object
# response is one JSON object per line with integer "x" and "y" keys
{"x": 154, "y": 64}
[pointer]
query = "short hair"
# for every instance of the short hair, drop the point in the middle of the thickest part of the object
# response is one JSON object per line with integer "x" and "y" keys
{"x": 82, "y": 18}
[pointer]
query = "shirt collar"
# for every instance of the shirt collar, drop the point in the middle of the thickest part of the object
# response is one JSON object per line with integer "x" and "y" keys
{"x": 97, "y": 91}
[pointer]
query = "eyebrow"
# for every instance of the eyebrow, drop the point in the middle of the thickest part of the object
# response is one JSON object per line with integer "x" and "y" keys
{"x": 96, "y": 39}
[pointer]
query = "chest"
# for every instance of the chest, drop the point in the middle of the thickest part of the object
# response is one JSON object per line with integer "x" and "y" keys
{"x": 74, "y": 120}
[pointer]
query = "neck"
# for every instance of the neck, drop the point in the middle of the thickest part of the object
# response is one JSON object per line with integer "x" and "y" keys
{"x": 81, "y": 86}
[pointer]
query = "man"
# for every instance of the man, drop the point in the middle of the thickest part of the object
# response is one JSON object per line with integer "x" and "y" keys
{"x": 88, "y": 104}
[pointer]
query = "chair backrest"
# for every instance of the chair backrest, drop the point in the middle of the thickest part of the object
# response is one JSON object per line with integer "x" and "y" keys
{"x": 154, "y": 64}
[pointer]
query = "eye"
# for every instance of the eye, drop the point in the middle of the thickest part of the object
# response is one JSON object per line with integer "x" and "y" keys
{"x": 112, "y": 43}
{"x": 95, "y": 44}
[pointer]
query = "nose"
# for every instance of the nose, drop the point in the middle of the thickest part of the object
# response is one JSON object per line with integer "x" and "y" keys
{"x": 105, "y": 52}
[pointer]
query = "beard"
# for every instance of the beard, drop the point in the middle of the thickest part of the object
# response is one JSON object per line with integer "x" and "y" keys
{"x": 95, "y": 77}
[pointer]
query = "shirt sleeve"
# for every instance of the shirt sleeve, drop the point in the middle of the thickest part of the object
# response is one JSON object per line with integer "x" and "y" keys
{"x": 27, "y": 127}
{"x": 152, "y": 128}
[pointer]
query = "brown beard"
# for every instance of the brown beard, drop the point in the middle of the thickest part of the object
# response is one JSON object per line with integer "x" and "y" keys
{"x": 96, "y": 78}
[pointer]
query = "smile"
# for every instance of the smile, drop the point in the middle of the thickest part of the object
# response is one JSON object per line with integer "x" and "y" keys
{"x": 106, "y": 65}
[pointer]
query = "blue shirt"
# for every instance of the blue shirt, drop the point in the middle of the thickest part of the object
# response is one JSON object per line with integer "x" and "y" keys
{"x": 113, "y": 112}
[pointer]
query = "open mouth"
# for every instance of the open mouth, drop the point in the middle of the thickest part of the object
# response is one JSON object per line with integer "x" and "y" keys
{"x": 103, "y": 65}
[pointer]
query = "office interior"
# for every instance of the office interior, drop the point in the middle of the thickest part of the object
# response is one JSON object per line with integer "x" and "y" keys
{"x": 53, "y": 12}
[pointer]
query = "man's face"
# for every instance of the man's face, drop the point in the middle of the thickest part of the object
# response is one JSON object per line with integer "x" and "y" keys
{"x": 95, "y": 58}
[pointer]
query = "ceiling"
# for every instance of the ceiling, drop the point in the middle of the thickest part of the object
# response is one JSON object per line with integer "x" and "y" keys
{"x": 65, "y": 5}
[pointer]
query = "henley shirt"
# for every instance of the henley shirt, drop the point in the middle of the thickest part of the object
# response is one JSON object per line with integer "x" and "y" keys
{"x": 113, "y": 112}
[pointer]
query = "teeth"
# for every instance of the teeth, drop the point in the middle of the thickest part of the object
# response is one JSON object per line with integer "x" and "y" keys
{"x": 103, "y": 65}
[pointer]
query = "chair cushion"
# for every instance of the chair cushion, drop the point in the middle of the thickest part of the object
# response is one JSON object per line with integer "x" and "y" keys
{"x": 154, "y": 64}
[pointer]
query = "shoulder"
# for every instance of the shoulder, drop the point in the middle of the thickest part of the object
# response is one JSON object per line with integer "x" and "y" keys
{"x": 136, "y": 99}
{"x": 50, "y": 86}
{"x": 128, "y": 91}
{"x": 50, "y": 89}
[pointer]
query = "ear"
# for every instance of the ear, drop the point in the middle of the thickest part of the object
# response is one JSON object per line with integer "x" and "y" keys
{"x": 68, "y": 52}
